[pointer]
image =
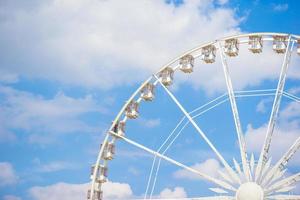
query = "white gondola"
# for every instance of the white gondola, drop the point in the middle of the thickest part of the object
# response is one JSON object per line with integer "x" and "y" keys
{"x": 209, "y": 54}
{"x": 119, "y": 129}
{"x": 298, "y": 47}
{"x": 166, "y": 76}
{"x": 102, "y": 174}
{"x": 131, "y": 110}
{"x": 279, "y": 44}
{"x": 231, "y": 47}
{"x": 147, "y": 93}
{"x": 98, "y": 195}
{"x": 186, "y": 64}
{"x": 92, "y": 171}
{"x": 109, "y": 151}
{"x": 255, "y": 44}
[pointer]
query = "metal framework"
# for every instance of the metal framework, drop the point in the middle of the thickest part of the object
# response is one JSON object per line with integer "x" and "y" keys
{"x": 255, "y": 180}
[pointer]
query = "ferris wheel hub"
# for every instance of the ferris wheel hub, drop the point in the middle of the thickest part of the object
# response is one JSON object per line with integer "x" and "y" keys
{"x": 250, "y": 191}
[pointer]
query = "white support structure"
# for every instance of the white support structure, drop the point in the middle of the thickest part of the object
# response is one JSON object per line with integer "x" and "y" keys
{"x": 289, "y": 181}
{"x": 200, "y": 174}
{"x": 230, "y": 171}
{"x": 280, "y": 165}
{"x": 264, "y": 180}
{"x": 285, "y": 197}
{"x": 274, "y": 113}
{"x": 235, "y": 113}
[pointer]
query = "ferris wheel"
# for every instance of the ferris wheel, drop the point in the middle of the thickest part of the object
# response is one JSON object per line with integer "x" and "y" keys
{"x": 247, "y": 177}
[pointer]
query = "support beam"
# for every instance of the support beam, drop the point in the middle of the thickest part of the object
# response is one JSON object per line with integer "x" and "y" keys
{"x": 200, "y": 174}
{"x": 285, "y": 197}
{"x": 231, "y": 172}
{"x": 275, "y": 109}
{"x": 283, "y": 161}
{"x": 235, "y": 113}
{"x": 289, "y": 181}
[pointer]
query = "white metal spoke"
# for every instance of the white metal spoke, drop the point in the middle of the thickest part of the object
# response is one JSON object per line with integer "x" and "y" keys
{"x": 150, "y": 177}
{"x": 285, "y": 197}
{"x": 234, "y": 108}
{"x": 275, "y": 109}
{"x": 291, "y": 96}
{"x": 289, "y": 181}
{"x": 231, "y": 172}
{"x": 155, "y": 153}
{"x": 280, "y": 165}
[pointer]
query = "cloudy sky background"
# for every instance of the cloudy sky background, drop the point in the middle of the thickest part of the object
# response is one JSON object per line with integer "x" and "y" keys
{"x": 67, "y": 66}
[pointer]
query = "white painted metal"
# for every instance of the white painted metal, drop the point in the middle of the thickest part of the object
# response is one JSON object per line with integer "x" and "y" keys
{"x": 219, "y": 190}
{"x": 274, "y": 113}
{"x": 280, "y": 185}
{"x": 285, "y": 197}
{"x": 289, "y": 181}
{"x": 235, "y": 113}
{"x": 280, "y": 165}
{"x": 250, "y": 191}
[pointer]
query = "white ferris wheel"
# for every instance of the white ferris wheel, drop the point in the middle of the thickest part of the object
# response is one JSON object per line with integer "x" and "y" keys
{"x": 246, "y": 177}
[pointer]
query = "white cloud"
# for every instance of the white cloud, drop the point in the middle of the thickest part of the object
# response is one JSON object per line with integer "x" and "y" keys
{"x": 222, "y": 2}
{"x": 149, "y": 123}
{"x": 102, "y": 43}
{"x": 53, "y": 166}
{"x": 178, "y": 192}
{"x": 280, "y": 7}
{"x": 7, "y": 174}
{"x": 209, "y": 167}
{"x": 262, "y": 105}
{"x": 11, "y": 197}
{"x": 113, "y": 190}
{"x": 66, "y": 191}
{"x": 40, "y": 116}
{"x": 59, "y": 191}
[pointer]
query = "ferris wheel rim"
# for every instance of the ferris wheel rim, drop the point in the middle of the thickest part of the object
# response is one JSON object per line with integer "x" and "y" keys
{"x": 266, "y": 36}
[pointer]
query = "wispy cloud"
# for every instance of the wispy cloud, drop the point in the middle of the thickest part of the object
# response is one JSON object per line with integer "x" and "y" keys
{"x": 41, "y": 117}
{"x": 53, "y": 166}
{"x": 11, "y": 197}
{"x": 280, "y": 7}
{"x": 7, "y": 174}
{"x": 149, "y": 123}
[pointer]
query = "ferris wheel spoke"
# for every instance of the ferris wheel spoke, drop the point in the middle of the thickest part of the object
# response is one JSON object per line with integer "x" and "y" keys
{"x": 275, "y": 109}
{"x": 166, "y": 158}
{"x": 234, "y": 108}
{"x": 289, "y": 181}
{"x": 231, "y": 172}
{"x": 285, "y": 197}
{"x": 280, "y": 165}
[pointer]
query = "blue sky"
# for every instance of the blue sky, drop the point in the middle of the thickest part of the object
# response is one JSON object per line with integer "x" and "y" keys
{"x": 67, "y": 67}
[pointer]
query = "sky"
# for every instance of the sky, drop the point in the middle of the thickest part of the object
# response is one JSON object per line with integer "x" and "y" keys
{"x": 68, "y": 66}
